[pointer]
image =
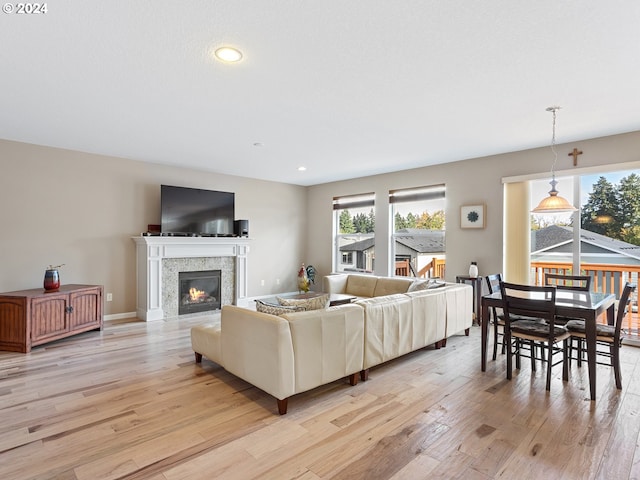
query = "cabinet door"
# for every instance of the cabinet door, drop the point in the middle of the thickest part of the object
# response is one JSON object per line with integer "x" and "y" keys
{"x": 49, "y": 316}
{"x": 13, "y": 324}
{"x": 86, "y": 309}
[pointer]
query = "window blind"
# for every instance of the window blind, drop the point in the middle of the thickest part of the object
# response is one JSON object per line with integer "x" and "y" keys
{"x": 354, "y": 201}
{"x": 432, "y": 192}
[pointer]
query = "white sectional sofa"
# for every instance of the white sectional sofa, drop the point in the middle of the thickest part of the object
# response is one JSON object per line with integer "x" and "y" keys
{"x": 295, "y": 352}
{"x": 403, "y": 314}
{"x": 288, "y": 354}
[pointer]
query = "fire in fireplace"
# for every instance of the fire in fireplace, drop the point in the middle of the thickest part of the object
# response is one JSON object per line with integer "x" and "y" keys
{"x": 199, "y": 291}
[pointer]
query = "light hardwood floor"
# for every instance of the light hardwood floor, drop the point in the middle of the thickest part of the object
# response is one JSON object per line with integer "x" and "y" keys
{"x": 131, "y": 403}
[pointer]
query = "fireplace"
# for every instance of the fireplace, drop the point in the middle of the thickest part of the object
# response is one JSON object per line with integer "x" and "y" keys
{"x": 160, "y": 259}
{"x": 199, "y": 291}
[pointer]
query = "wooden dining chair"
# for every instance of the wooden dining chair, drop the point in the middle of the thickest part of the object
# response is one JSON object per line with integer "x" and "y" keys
{"x": 609, "y": 336}
{"x": 581, "y": 283}
{"x": 497, "y": 316}
{"x": 538, "y": 303}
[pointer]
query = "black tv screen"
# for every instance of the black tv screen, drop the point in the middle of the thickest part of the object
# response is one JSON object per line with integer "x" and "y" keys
{"x": 196, "y": 211}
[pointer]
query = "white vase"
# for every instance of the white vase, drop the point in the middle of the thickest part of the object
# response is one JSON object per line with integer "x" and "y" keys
{"x": 473, "y": 270}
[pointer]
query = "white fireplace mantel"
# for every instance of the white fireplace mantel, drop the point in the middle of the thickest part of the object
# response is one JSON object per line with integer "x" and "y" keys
{"x": 151, "y": 250}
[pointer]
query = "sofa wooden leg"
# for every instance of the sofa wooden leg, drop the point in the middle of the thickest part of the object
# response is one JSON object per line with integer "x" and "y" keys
{"x": 364, "y": 375}
{"x": 353, "y": 379}
{"x": 466, "y": 332}
{"x": 198, "y": 357}
{"x": 443, "y": 342}
{"x": 282, "y": 405}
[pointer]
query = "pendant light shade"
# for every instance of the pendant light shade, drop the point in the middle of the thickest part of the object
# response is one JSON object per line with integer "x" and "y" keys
{"x": 554, "y": 203}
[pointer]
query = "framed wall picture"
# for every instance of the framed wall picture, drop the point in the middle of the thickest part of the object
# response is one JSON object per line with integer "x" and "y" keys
{"x": 472, "y": 216}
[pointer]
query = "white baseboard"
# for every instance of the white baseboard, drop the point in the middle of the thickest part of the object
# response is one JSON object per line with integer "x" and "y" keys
{"x": 120, "y": 316}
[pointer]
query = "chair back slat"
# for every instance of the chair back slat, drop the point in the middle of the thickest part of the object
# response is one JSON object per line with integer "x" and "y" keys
{"x": 568, "y": 282}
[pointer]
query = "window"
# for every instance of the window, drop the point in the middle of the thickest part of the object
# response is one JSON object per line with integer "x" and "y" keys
{"x": 418, "y": 231}
{"x": 354, "y": 238}
{"x": 607, "y": 229}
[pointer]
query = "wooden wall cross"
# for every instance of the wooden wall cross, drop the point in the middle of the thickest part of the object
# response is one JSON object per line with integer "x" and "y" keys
{"x": 575, "y": 154}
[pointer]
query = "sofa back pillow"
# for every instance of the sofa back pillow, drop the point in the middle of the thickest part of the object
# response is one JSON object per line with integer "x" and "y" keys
{"x": 431, "y": 283}
{"x": 272, "y": 309}
{"x": 313, "y": 303}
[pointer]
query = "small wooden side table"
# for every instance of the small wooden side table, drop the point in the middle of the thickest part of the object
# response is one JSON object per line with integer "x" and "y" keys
{"x": 476, "y": 284}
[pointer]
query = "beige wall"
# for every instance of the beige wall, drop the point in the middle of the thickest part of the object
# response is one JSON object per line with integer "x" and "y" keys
{"x": 467, "y": 182}
{"x": 59, "y": 206}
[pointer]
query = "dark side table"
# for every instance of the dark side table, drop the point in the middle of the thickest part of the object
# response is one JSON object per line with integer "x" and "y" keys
{"x": 476, "y": 284}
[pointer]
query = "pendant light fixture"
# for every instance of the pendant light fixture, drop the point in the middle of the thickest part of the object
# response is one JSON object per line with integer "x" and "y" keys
{"x": 554, "y": 203}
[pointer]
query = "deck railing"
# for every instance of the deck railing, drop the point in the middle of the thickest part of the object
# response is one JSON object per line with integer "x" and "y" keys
{"x": 605, "y": 278}
{"x": 433, "y": 269}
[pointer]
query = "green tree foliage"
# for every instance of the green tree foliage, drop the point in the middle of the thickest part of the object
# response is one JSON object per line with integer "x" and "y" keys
{"x": 372, "y": 221}
{"x": 424, "y": 221}
{"x": 364, "y": 223}
{"x": 359, "y": 223}
{"x": 631, "y": 234}
{"x": 628, "y": 202}
{"x": 613, "y": 210}
{"x": 600, "y": 212}
{"x": 346, "y": 222}
{"x": 400, "y": 222}
{"x": 431, "y": 221}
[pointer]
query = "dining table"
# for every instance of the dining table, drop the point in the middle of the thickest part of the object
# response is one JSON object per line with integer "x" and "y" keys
{"x": 569, "y": 303}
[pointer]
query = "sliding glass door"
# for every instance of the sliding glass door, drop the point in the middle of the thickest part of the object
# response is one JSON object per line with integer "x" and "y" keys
{"x": 601, "y": 239}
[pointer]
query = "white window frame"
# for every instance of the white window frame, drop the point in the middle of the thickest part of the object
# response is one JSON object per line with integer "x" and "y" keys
{"x": 346, "y": 202}
{"x": 410, "y": 195}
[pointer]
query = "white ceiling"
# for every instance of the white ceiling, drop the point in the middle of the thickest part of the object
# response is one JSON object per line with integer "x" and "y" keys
{"x": 346, "y": 88}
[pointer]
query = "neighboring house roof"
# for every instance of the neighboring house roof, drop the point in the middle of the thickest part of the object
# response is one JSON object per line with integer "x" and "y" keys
{"x": 554, "y": 236}
{"x": 359, "y": 246}
{"x": 421, "y": 241}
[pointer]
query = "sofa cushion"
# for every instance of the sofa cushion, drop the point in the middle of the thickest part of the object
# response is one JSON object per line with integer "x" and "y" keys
{"x": 429, "y": 316}
{"x": 328, "y": 344}
{"x": 388, "y": 328}
{"x": 257, "y": 348}
{"x": 314, "y": 303}
{"x": 335, "y": 283}
{"x": 391, "y": 286}
{"x": 361, "y": 285}
{"x": 272, "y": 309}
{"x": 205, "y": 340}
{"x": 459, "y": 307}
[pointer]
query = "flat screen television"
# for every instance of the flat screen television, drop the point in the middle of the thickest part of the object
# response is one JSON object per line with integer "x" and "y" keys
{"x": 193, "y": 211}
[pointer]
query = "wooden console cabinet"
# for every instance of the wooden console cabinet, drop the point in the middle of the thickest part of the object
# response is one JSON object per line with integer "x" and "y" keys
{"x": 33, "y": 317}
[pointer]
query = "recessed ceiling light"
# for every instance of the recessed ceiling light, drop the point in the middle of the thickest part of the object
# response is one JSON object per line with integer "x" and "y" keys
{"x": 228, "y": 54}
{"x": 302, "y": 169}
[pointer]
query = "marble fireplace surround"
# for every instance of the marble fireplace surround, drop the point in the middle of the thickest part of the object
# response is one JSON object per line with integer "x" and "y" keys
{"x": 159, "y": 259}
